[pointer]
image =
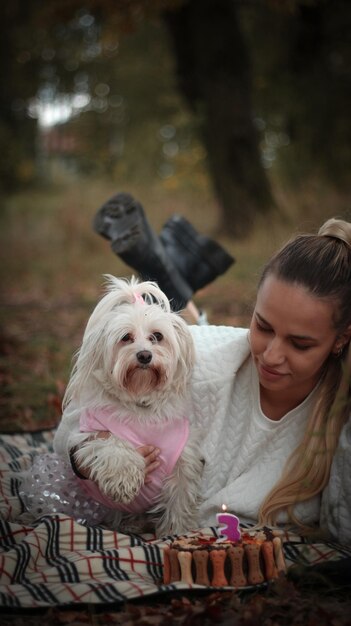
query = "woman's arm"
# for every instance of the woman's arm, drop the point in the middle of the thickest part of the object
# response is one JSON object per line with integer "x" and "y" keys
{"x": 336, "y": 499}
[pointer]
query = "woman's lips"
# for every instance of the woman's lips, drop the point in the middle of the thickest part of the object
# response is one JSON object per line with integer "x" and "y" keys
{"x": 268, "y": 373}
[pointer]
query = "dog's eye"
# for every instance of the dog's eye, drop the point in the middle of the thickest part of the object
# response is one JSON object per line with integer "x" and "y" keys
{"x": 156, "y": 337}
{"x": 126, "y": 338}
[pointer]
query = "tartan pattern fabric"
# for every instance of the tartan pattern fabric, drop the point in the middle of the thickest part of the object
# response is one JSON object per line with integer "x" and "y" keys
{"x": 56, "y": 561}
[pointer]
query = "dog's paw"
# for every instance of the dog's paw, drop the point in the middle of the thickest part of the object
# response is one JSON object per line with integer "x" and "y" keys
{"x": 124, "y": 486}
{"x": 115, "y": 466}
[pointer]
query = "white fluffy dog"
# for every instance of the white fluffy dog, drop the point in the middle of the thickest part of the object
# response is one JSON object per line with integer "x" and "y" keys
{"x": 130, "y": 378}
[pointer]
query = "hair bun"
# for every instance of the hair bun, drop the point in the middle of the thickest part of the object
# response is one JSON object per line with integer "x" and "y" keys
{"x": 339, "y": 229}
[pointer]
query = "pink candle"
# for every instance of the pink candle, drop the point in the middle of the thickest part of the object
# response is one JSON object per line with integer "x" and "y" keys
{"x": 230, "y": 529}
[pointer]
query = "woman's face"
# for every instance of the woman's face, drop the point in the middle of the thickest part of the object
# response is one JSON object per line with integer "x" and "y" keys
{"x": 291, "y": 336}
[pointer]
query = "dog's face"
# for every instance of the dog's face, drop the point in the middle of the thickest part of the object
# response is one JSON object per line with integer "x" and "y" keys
{"x": 147, "y": 348}
{"x": 134, "y": 347}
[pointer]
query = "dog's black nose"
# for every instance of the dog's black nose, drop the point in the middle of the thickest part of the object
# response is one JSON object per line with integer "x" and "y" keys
{"x": 144, "y": 357}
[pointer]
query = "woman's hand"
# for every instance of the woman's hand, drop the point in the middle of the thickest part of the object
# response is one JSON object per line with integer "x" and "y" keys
{"x": 150, "y": 454}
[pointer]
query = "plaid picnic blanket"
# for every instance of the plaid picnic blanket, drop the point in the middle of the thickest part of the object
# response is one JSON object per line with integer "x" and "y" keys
{"x": 56, "y": 561}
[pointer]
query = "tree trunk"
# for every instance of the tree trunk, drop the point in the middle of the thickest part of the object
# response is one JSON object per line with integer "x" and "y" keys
{"x": 17, "y": 130}
{"x": 215, "y": 77}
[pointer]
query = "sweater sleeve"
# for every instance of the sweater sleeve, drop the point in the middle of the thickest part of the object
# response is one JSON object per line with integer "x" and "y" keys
{"x": 336, "y": 499}
{"x": 220, "y": 351}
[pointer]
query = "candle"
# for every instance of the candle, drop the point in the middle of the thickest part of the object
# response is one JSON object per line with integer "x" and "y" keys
{"x": 230, "y": 529}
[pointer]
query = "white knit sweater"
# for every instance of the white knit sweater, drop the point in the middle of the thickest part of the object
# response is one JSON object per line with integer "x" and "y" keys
{"x": 244, "y": 451}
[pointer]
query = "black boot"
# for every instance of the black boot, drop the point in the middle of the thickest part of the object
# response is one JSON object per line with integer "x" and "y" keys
{"x": 198, "y": 258}
{"x": 122, "y": 220}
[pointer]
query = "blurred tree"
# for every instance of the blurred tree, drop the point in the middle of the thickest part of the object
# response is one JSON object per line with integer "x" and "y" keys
{"x": 215, "y": 76}
{"x": 268, "y": 83}
{"x": 302, "y": 88}
{"x": 17, "y": 130}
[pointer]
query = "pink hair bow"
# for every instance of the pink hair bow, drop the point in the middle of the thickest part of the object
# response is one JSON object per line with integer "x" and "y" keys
{"x": 139, "y": 298}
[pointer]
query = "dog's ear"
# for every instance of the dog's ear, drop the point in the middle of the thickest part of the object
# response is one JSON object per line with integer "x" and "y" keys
{"x": 88, "y": 360}
{"x": 186, "y": 348}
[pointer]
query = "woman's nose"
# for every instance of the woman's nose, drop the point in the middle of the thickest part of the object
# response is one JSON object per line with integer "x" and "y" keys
{"x": 274, "y": 353}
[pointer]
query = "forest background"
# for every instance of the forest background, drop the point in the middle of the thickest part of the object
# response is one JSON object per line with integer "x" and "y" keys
{"x": 232, "y": 113}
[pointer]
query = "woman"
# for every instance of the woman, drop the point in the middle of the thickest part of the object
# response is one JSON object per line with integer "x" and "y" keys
{"x": 274, "y": 402}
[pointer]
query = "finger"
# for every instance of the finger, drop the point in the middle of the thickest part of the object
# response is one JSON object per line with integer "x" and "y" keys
{"x": 150, "y": 455}
{"x": 148, "y": 472}
{"x": 151, "y": 458}
{"x": 145, "y": 450}
{"x": 150, "y": 468}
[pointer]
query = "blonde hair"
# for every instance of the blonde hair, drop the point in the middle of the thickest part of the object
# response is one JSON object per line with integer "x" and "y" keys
{"x": 322, "y": 264}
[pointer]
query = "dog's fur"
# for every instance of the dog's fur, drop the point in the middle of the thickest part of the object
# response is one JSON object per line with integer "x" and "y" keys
{"x": 132, "y": 318}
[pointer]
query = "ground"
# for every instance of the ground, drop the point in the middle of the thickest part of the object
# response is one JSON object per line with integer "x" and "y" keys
{"x": 51, "y": 273}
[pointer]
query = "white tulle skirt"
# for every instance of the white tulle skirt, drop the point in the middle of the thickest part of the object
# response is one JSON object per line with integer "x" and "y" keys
{"x": 51, "y": 486}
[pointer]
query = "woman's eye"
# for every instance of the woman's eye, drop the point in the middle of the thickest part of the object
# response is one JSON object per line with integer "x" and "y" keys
{"x": 263, "y": 329}
{"x": 126, "y": 338}
{"x": 156, "y": 337}
{"x": 301, "y": 347}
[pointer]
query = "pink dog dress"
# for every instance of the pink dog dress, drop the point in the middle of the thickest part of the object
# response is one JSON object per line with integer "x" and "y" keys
{"x": 51, "y": 487}
{"x": 170, "y": 437}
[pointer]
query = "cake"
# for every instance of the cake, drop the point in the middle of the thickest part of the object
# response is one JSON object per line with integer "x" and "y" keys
{"x": 205, "y": 560}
